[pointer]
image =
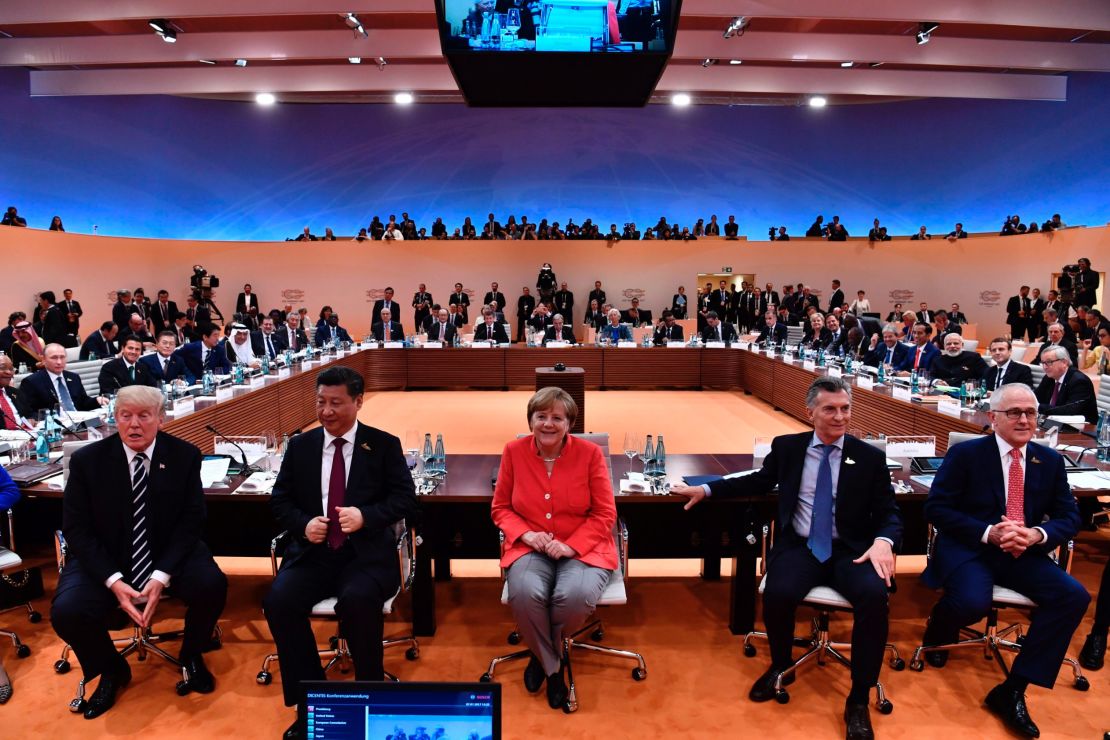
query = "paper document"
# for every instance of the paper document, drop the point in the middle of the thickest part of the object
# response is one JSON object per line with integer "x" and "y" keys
{"x": 213, "y": 471}
{"x": 1095, "y": 480}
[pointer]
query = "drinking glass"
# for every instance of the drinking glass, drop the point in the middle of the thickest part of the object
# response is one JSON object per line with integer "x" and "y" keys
{"x": 412, "y": 448}
{"x": 512, "y": 22}
{"x": 632, "y": 442}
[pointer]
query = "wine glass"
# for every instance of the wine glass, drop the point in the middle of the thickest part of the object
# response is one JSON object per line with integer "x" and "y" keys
{"x": 512, "y": 22}
{"x": 412, "y": 447}
{"x": 631, "y": 447}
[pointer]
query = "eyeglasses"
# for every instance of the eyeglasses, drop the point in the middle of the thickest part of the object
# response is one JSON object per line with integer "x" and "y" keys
{"x": 1016, "y": 414}
{"x": 1046, "y": 363}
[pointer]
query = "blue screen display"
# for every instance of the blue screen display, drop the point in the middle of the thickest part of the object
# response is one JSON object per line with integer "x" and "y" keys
{"x": 368, "y": 711}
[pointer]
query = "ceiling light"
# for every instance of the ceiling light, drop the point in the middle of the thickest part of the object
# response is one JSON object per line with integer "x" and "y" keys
{"x": 925, "y": 30}
{"x": 708, "y": 63}
{"x": 680, "y": 99}
{"x": 265, "y": 98}
{"x": 847, "y": 65}
{"x": 736, "y": 26}
{"x": 875, "y": 65}
{"x": 354, "y": 60}
{"x": 170, "y": 36}
{"x": 240, "y": 62}
{"x": 735, "y": 61}
{"x": 403, "y": 98}
{"x": 354, "y": 24}
{"x": 206, "y": 61}
{"x": 381, "y": 64}
{"x": 164, "y": 28}
{"x": 818, "y": 101}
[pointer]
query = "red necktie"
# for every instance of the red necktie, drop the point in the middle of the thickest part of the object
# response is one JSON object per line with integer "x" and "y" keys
{"x": 1055, "y": 394}
{"x": 1015, "y": 490}
{"x": 337, "y": 494}
{"x": 917, "y": 357}
{"x": 9, "y": 414}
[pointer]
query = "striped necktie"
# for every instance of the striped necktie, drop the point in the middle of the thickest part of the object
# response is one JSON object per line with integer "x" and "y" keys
{"x": 141, "y": 562}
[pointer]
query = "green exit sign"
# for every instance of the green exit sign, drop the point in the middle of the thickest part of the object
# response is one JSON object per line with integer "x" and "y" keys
{"x": 726, "y": 268}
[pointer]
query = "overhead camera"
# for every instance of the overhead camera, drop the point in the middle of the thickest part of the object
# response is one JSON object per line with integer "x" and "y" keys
{"x": 201, "y": 279}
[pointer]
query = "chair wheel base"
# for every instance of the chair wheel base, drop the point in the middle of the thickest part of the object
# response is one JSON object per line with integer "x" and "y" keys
{"x": 485, "y": 678}
{"x": 22, "y": 651}
{"x": 1082, "y": 684}
{"x": 597, "y": 635}
{"x": 638, "y": 674}
{"x": 782, "y": 696}
{"x": 61, "y": 666}
{"x": 264, "y": 678}
{"x": 886, "y": 707}
{"x": 898, "y": 664}
{"x": 412, "y": 653}
{"x": 183, "y": 688}
{"x": 514, "y": 638}
{"x": 34, "y": 617}
{"x": 77, "y": 706}
{"x": 917, "y": 665}
{"x": 749, "y": 651}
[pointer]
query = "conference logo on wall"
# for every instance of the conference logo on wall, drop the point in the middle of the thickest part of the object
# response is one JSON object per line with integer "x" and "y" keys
{"x": 292, "y": 296}
{"x": 110, "y": 297}
{"x": 630, "y": 293}
{"x": 990, "y": 298}
{"x": 901, "y": 295}
{"x": 375, "y": 294}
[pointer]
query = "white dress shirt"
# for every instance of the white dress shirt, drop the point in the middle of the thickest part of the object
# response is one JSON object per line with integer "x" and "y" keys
{"x": 157, "y": 575}
{"x": 328, "y": 458}
{"x": 1004, "y": 448}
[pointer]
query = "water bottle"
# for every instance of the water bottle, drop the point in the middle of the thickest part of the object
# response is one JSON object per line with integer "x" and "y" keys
{"x": 882, "y": 373}
{"x": 265, "y": 363}
{"x": 288, "y": 358}
{"x": 913, "y": 382}
{"x": 427, "y": 455}
{"x": 820, "y": 357}
{"x": 50, "y": 428}
{"x": 239, "y": 375}
{"x": 660, "y": 458}
{"x": 1103, "y": 436}
{"x": 495, "y": 29}
{"x": 648, "y": 458}
{"x": 42, "y": 447}
{"x": 963, "y": 395}
{"x": 206, "y": 383}
{"x": 284, "y": 444}
{"x": 112, "y": 409}
{"x": 440, "y": 458}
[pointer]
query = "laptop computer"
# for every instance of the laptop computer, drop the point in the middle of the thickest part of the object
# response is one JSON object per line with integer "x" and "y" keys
{"x": 341, "y": 710}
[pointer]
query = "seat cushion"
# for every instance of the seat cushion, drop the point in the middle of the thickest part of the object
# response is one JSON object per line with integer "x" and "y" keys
{"x": 9, "y": 560}
{"x": 326, "y": 608}
{"x": 1008, "y": 597}
{"x": 818, "y": 596}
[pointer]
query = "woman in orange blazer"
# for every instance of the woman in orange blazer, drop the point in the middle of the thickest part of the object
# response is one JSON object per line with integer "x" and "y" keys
{"x": 554, "y": 503}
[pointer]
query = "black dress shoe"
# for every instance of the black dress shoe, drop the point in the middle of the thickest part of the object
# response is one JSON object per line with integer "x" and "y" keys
{"x": 1010, "y": 707}
{"x": 557, "y": 692}
{"x": 858, "y": 719}
{"x": 1093, "y": 654}
{"x": 935, "y": 658}
{"x": 534, "y": 675}
{"x": 764, "y": 687}
{"x": 105, "y": 695}
{"x": 293, "y": 731}
{"x": 197, "y": 677}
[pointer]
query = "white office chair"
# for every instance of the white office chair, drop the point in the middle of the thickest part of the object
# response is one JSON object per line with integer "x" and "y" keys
{"x": 615, "y": 594}
{"x": 1103, "y": 399}
{"x": 10, "y": 562}
{"x": 994, "y": 640}
{"x": 971, "y": 345}
{"x": 954, "y": 438}
{"x": 825, "y": 600}
{"x": 337, "y": 652}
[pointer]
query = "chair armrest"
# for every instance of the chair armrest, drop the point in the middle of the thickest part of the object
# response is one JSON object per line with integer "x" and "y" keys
{"x": 274, "y": 550}
{"x": 11, "y": 530}
{"x": 622, "y": 545}
{"x": 765, "y": 546}
{"x": 407, "y": 541}
{"x": 60, "y": 549}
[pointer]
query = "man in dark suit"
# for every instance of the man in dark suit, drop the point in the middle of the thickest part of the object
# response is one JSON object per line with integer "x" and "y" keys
{"x": 837, "y": 524}
{"x": 667, "y": 331}
{"x": 1055, "y": 337}
{"x": 889, "y": 351}
{"x": 11, "y": 404}
{"x": 772, "y": 330}
{"x": 836, "y": 300}
{"x": 100, "y": 343}
{"x": 332, "y": 331}
{"x": 293, "y": 336}
{"x": 597, "y": 294}
{"x": 53, "y": 385}
{"x": 564, "y": 301}
{"x": 266, "y": 341}
{"x": 54, "y": 323}
{"x": 126, "y": 369}
{"x": 247, "y": 300}
{"x": 136, "y": 327}
{"x": 558, "y": 331}
{"x": 1085, "y": 283}
{"x": 716, "y": 330}
{"x": 1005, "y": 370}
{"x": 443, "y": 329}
{"x": 454, "y": 316}
{"x": 386, "y": 302}
{"x": 462, "y": 300}
{"x": 133, "y": 519}
{"x": 1019, "y": 314}
{"x": 164, "y": 366}
{"x": 342, "y": 541}
{"x": 925, "y": 316}
{"x": 494, "y": 294}
{"x": 721, "y": 300}
{"x": 421, "y": 304}
{"x": 1001, "y": 504}
{"x": 680, "y": 304}
{"x": 72, "y": 312}
{"x": 123, "y": 308}
{"x": 944, "y": 328}
{"x": 163, "y": 312}
{"x": 921, "y": 356}
{"x": 525, "y": 305}
{"x": 1064, "y": 391}
{"x": 955, "y": 365}
{"x": 386, "y": 330}
{"x": 490, "y": 329}
{"x": 204, "y": 354}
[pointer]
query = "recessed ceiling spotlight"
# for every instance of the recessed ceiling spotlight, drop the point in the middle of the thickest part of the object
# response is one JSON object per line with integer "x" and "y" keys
{"x": 680, "y": 99}
{"x": 164, "y": 28}
{"x": 354, "y": 60}
{"x": 354, "y": 24}
{"x": 925, "y": 31}
{"x": 403, "y": 98}
{"x": 735, "y": 61}
{"x": 240, "y": 62}
{"x": 736, "y": 26}
{"x": 265, "y": 98}
{"x": 847, "y": 65}
{"x": 875, "y": 65}
{"x": 206, "y": 61}
{"x": 706, "y": 63}
{"x": 818, "y": 101}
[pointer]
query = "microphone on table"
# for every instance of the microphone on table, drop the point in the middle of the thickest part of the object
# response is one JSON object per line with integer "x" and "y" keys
{"x": 247, "y": 467}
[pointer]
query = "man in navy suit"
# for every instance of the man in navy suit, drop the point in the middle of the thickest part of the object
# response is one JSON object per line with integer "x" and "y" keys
{"x": 204, "y": 354}
{"x": 772, "y": 329}
{"x": 1005, "y": 370}
{"x": 163, "y": 312}
{"x": 837, "y": 525}
{"x": 1001, "y": 505}
{"x": 921, "y": 356}
{"x": 717, "y": 330}
{"x": 668, "y": 330}
{"x": 490, "y": 329}
{"x": 267, "y": 341}
{"x": 331, "y": 331}
{"x": 100, "y": 343}
{"x": 560, "y": 332}
{"x": 53, "y": 385}
{"x": 163, "y": 364}
{"x": 442, "y": 329}
{"x": 386, "y": 330}
{"x": 387, "y": 302}
{"x": 1064, "y": 391}
{"x": 341, "y": 488}
{"x": 126, "y": 369}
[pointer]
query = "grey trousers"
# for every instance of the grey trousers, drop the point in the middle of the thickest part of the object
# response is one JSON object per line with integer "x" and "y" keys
{"x": 550, "y": 599}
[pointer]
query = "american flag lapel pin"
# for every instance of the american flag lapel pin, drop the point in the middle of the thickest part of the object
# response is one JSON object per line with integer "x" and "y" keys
{"x": 161, "y": 466}
{"x": 365, "y": 446}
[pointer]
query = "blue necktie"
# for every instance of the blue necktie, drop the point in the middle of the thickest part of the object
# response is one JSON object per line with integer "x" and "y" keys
{"x": 64, "y": 397}
{"x": 820, "y": 527}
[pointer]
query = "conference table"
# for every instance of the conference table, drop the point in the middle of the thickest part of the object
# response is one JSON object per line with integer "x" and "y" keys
{"x": 454, "y": 520}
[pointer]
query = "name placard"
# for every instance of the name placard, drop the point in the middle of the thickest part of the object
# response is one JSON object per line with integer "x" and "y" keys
{"x": 901, "y": 392}
{"x": 925, "y": 446}
{"x": 181, "y": 407}
{"x": 788, "y": 358}
{"x": 627, "y": 345}
{"x": 742, "y": 345}
{"x": 224, "y": 393}
{"x": 432, "y": 345}
{"x": 834, "y": 372}
{"x": 393, "y": 345}
{"x": 865, "y": 382}
{"x": 258, "y": 381}
{"x": 714, "y": 345}
{"x": 283, "y": 373}
{"x": 677, "y": 344}
{"x": 809, "y": 365}
{"x": 948, "y": 406}
{"x": 481, "y": 344}
{"x": 556, "y": 345}
{"x": 308, "y": 364}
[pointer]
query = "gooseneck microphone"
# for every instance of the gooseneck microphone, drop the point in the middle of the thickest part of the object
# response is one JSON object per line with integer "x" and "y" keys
{"x": 247, "y": 467}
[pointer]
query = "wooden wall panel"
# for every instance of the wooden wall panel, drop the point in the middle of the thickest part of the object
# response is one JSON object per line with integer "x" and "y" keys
{"x": 521, "y": 364}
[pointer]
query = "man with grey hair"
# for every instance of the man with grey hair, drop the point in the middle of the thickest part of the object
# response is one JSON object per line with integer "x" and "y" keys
{"x": 133, "y": 520}
{"x": 890, "y": 351}
{"x": 442, "y": 329}
{"x": 1064, "y": 391}
{"x": 558, "y": 331}
{"x": 838, "y": 525}
{"x": 956, "y": 365}
{"x": 54, "y": 386}
{"x": 1001, "y": 504}
{"x": 1055, "y": 338}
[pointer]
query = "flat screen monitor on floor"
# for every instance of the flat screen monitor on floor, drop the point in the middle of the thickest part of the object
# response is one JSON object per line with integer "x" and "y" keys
{"x": 381, "y": 710}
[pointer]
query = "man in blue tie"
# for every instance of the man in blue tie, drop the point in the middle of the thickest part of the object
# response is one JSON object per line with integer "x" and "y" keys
{"x": 387, "y": 330}
{"x": 837, "y": 525}
{"x": 54, "y": 386}
{"x": 890, "y": 351}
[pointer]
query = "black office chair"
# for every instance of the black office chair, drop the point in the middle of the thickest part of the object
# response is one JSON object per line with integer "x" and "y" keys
{"x": 615, "y": 593}
{"x": 337, "y": 652}
{"x": 141, "y": 640}
{"x": 824, "y": 600}
{"x": 994, "y": 640}
{"x": 9, "y": 562}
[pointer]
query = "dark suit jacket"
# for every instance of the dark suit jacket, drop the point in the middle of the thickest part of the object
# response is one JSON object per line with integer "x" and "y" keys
{"x": 681, "y": 310}
{"x": 777, "y": 334}
{"x": 498, "y": 296}
{"x": 564, "y": 304}
{"x": 97, "y": 509}
{"x": 114, "y": 375}
{"x": 300, "y": 340}
{"x": 921, "y": 316}
{"x": 865, "y": 506}
{"x": 525, "y": 305}
{"x": 277, "y": 338}
{"x": 499, "y": 335}
{"x": 462, "y": 301}
{"x": 596, "y": 319}
{"x": 394, "y": 310}
{"x": 662, "y": 333}
{"x": 967, "y": 365}
{"x": 175, "y": 367}
{"x": 643, "y": 317}
{"x": 1077, "y": 396}
{"x": 969, "y": 493}
{"x": 55, "y": 326}
{"x": 378, "y": 483}
{"x": 566, "y": 335}
{"x": 161, "y": 322}
{"x": 1015, "y": 373}
{"x": 720, "y": 301}
{"x": 72, "y": 327}
{"x": 246, "y": 302}
{"x": 1014, "y": 306}
{"x": 323, "y": 334}
{"x": 17, "y": 402}
{"x": 728, "y": 333}
{"x": 596, "y": 295}
{"x": 449, "y": 332}
{"x": 396, "y": 332}
{"x": 836, "y": 300}
{"x": 1067, "y": 344}
{"x": 39, "y": 392}
{"x": 191, "y": 353}
{"x": 98, "y": 345}
{"x": 930, "y": 353}
{"x": 877, "y": 356}
{"x": 121, "y": 313}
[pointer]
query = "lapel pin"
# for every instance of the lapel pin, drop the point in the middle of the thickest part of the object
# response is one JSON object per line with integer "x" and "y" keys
{"x": 849, "y": 461}
{"x": 1035, "y": 461}
{"x": 365, "y": 446}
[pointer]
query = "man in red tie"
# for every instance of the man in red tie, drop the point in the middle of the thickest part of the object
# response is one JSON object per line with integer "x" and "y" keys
{"x": 923, "y": 353}
{"x": 1001, "y": 505}
{"x": 9, "y": 405}
{"x": 341, "y": 488}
